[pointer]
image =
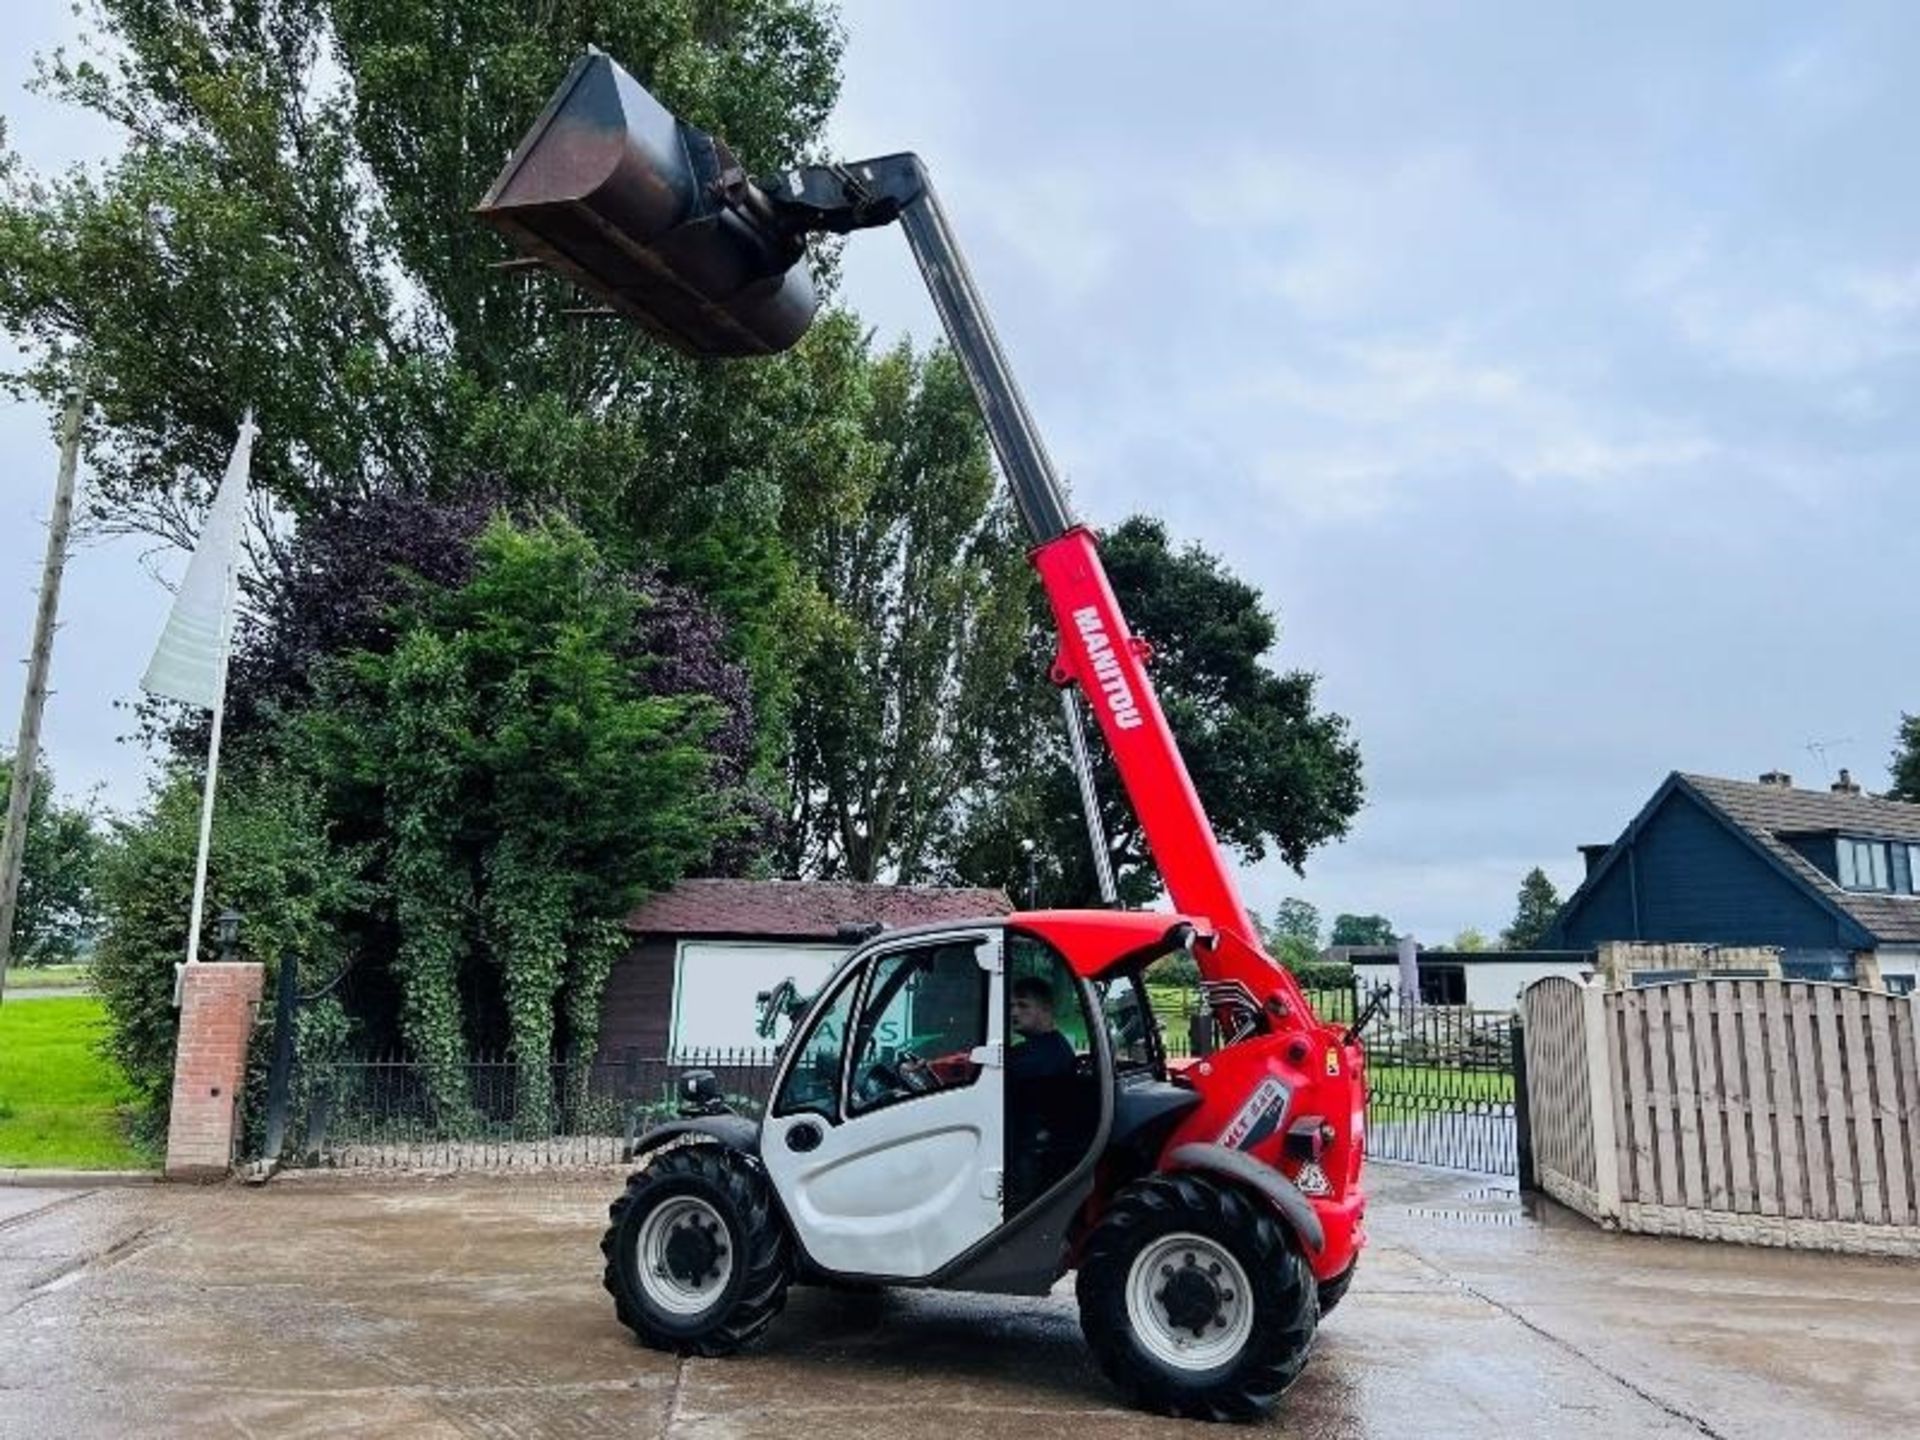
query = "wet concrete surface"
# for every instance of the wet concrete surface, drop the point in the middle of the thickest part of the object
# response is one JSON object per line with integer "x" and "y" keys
{"x": 472, "y": 1307}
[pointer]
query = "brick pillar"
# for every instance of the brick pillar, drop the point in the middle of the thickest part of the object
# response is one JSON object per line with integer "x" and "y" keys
{"x": 209, "y": 1066}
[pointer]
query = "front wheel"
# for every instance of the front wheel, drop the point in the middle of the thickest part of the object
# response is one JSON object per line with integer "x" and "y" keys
{"x": 1194, "y": 1302}
{"x": 1334, "y": 1290}
{"x": 697, "y": 1255}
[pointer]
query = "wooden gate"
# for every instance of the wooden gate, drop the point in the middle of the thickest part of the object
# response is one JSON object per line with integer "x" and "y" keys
{"x": 1776, "y": 1112}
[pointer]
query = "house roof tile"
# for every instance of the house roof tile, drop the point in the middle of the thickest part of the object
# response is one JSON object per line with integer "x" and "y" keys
{"x": 804, "y": 909}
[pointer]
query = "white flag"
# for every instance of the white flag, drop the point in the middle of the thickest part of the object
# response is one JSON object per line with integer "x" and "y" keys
{"x": 186, "y": 663}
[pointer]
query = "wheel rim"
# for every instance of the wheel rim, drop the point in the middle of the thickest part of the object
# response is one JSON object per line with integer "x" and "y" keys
{"x": 685, "y": 1255}
{"x": 1189, "y": 1302}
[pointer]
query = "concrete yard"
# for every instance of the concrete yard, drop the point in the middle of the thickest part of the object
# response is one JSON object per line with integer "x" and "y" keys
{"x": 431, "y": 1307}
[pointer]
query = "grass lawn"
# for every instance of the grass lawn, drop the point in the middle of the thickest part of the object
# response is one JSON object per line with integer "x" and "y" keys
{"x": 46, "y": 977}
{"x": 60, "y": 1102}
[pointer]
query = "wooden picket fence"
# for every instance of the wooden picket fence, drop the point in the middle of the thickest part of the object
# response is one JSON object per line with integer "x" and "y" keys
{"x": 1766, "y": 1111}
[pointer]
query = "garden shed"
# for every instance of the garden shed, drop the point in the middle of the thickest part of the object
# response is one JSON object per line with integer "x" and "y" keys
{"x": 705, "y": 949}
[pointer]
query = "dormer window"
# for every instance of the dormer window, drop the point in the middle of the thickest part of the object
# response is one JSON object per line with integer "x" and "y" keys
{"x": 1883, "y": 865}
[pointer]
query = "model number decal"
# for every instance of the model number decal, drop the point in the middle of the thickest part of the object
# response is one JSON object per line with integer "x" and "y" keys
{"x": 1258, "y": 1118}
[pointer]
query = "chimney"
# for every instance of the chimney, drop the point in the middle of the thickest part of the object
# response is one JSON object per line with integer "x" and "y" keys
{"x": 1779, "y": 779}
{"x": 1593, "y": 855}
{"x": 1846, "y": 784}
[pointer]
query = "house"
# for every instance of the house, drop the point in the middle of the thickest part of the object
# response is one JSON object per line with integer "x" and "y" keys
{"x": 1806, "y": 884}
{"x": 1477, "y": 979}
{"x": 703, "y": 951}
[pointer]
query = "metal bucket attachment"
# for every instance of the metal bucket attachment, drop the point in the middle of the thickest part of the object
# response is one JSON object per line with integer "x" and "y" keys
{"x": 612, "y": 191}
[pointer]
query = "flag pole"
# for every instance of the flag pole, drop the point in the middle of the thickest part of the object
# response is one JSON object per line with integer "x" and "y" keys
{"x": 247, "y": 429}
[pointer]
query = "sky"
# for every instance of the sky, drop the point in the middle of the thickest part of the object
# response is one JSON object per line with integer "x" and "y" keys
{"x": 1544, "y": 366}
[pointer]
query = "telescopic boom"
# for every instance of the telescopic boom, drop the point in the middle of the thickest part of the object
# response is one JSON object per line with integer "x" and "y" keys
{"x": 656, "y": 218}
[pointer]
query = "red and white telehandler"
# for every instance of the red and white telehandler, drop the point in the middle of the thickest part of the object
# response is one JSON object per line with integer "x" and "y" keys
{"x": 981, "y": 1106}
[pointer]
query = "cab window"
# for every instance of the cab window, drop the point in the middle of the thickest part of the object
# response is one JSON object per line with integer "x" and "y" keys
{"x": 1130, "y": 1023}
{"x": 922, "y": 1016}
{"x": 813, "y": 1084}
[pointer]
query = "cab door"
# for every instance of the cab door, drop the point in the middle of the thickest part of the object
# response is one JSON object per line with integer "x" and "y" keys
{"x": 884, "y": 1135}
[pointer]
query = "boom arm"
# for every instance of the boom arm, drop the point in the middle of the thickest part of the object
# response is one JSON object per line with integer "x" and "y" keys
{"x": 1097, "y": 650}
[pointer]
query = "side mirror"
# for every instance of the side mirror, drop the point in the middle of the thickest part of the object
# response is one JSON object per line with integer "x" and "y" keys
{"x": 700, "y": 1093}
{"x": 611, "y": 190}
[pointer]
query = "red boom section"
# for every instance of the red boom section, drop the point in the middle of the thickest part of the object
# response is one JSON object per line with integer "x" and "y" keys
{"x": 1104, "y": 658}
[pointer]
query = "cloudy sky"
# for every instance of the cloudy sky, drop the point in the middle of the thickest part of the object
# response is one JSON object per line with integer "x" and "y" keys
{"x": 1549, "y": 368}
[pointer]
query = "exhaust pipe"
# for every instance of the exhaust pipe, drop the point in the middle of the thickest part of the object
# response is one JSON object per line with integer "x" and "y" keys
{"x": 612, "y": 191}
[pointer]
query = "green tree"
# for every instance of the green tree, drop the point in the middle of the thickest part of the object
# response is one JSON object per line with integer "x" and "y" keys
{"x": 55, "y": 912}
{"x": 271, "y": 859}
{"x": 1469, "y": 940}
{"x": 1906, "y": 762}
{"x": 1293, "y": 935}
{"x": 1275, "y": 773}
{"x": 1297, "y": 919}
{"x": 289, "y": 227}
{"x": 1363, "y": 930}
{"x": 1534, "y": 911}
{"x": 924, "y": 595}
{"x": 527, "y": 785}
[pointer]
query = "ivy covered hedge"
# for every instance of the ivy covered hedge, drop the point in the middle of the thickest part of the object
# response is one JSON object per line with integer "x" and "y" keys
{"x": 449, "y": 809}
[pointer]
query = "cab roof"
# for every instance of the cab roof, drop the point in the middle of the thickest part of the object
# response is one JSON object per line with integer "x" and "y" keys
{"x": 1095, "y": 942}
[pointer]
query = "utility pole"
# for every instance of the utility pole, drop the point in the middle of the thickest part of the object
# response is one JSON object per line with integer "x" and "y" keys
{"x": 26, "y": 754}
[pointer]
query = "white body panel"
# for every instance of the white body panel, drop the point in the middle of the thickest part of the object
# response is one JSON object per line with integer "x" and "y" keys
{"x": 900, "y": 1191}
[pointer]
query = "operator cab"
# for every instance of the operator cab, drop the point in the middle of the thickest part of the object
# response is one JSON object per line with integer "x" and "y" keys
{"x": 942, "y": 1107}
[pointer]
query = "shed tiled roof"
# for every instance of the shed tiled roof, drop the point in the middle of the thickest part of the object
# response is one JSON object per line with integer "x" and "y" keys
{"x": 804, "y": 909}
{"x": 1767, "y": 812}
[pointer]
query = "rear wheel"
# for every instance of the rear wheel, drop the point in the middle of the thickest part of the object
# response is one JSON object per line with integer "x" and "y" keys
{"x": 697, "y": 1256}
{"x": 1193, "y": 1300}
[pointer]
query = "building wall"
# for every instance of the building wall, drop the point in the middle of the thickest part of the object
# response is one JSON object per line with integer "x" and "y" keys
{"x": 637, "y": 1014}
{"x": 1697, "y": 881}
{"x": 1493, "y": 982}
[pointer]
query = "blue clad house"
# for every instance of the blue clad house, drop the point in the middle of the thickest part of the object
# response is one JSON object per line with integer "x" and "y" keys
{"x": 1830, "y": 877}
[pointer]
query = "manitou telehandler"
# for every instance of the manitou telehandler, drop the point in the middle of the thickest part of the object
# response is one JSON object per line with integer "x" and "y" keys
{"x": 982, "y": 1106}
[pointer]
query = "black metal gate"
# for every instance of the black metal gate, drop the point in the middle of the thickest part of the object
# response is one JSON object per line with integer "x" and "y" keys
{"x": 1443, "y": 1089}
{"x": 1444, "y": 1083}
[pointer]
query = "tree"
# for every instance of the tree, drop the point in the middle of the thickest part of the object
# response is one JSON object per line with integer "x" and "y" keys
{"x": 1534, "y": 911}
{"x": 1363, "y": 930}
{"x": 1906, "y": 762}
{"x": 1297, "y": 919}
{"x": 924, "y": 597}
{"x": 289, "y": 227}
{"x": 270, "y": 859}
{"x": 526, "y": 779}
{"x": 1274, "y": 772}
{"x": 1294, "y": 933}
{"x": 1469, "y": 940}
{"x": 55, "y": 914}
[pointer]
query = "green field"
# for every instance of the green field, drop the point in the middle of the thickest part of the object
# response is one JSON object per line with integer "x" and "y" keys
{"x": 62, "y": 1106}
{"x": 46, "y": 977}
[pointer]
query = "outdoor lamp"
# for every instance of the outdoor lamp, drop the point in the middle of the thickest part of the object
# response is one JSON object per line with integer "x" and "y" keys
{"x": 226, "y": 931}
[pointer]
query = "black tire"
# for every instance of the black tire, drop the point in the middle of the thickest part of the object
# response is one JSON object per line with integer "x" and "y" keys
{"x": 1332, "y": 1291}
{"x": 755, "y": 1249}
{"x": 1243, "y": 1386}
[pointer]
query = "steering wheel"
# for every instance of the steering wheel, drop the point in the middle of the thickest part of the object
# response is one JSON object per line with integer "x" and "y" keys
{"x": 908, "y": 1073}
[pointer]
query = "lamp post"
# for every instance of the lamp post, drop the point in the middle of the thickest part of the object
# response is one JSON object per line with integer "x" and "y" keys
{"x": 226, "y": 932}
{"x": 1033, "y": 882}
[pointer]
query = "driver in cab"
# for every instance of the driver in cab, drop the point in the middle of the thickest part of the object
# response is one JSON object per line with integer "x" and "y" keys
{"x": 1044, "y": 1053}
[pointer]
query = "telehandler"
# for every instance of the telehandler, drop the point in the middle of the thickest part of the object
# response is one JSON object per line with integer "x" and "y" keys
{"x": 982, "y": 1106}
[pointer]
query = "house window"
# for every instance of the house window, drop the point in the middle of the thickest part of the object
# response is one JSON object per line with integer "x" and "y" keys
{"x": 1815, "y": 965}
{"x": 1865, "y": 865}
{"x": 1899, "y": 984}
